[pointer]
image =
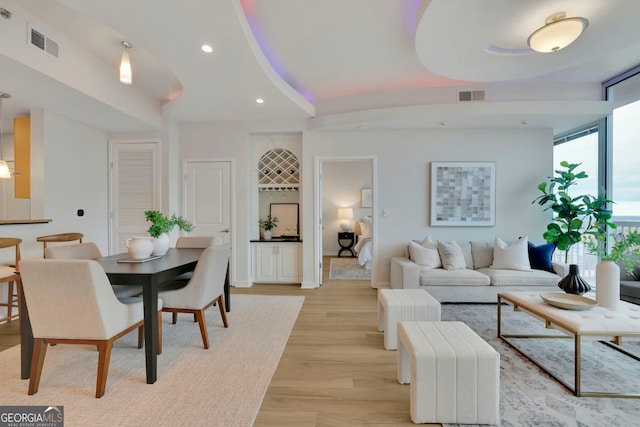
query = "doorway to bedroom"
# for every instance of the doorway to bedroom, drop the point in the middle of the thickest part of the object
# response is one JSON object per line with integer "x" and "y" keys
{"x": 346, "y": 218}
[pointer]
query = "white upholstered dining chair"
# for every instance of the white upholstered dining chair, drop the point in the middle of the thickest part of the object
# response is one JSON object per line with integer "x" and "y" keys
{"x": 57, "y": 238}
{"x": 204, "y": 289}
{"x": 71, "y": 302}
{"x": 89, "y": 250}
{"x": 201, "y": 242}
{"x": 187, "y": 242}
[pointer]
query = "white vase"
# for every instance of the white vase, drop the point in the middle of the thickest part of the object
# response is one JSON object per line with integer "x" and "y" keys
{"x": 266, "y": 235}
{"x": 139, "y": 247}
{"x": 608, "y": 284}
{"x": 161, "y": 245}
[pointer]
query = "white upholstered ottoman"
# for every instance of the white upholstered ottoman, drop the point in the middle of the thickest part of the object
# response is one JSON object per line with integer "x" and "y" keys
{"x": 395, "y": 305}
{"x": 454, "y": 374}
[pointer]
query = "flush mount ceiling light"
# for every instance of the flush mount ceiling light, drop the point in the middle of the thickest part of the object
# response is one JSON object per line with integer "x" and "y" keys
{"x": 558, "y": 33}
{"x": 125, "y": 64}
{"x": 206, "y": 48}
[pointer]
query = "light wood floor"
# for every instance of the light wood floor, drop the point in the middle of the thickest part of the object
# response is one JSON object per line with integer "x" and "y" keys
{"x": 334, "y": 370}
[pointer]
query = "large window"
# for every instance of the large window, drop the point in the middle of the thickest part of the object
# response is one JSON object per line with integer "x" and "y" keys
{"x": 623, "y": 175}
{"x": 607, "y": 152}
{"x": 580, "y": 146}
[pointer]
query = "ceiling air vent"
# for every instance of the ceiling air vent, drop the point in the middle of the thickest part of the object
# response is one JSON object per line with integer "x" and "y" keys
{"x": 470, "y": 95}
{"x": 43, "y": 42}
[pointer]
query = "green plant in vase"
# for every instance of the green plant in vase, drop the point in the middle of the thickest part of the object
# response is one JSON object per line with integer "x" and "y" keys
{"x": 161, "y": 225}
{"x": 613, "y": 250}
{"x": 574, "y": 217}
{"x": 268, "y": 224}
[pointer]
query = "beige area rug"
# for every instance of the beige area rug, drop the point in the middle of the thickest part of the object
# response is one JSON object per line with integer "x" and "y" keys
{"x": 222, "y": 386}
{"x": 347, "y": 269}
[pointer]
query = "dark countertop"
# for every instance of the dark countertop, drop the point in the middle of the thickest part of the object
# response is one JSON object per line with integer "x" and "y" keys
{"x": 276, "y": 240}
{"x": 23, "y": 221}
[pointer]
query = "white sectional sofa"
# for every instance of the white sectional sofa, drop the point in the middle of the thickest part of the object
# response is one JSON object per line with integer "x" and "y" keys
{"x": 481, "y": 274}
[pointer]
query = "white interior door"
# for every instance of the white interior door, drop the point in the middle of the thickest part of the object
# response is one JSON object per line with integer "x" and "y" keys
{"x": 208, "y": 198}
{"x": 133, "y": 180}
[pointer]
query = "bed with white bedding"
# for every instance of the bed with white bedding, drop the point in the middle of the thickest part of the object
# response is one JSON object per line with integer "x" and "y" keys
{"x": 364, "y": 242}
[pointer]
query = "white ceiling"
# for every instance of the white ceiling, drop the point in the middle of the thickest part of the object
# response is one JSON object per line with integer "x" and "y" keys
{"x": 311, "y": 58}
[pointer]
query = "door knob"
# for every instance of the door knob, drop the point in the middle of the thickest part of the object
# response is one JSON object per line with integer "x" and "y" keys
{"x": 226, "y": 230}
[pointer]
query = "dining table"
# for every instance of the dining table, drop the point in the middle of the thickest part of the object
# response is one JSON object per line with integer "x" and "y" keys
{"x": 149, "y": 274}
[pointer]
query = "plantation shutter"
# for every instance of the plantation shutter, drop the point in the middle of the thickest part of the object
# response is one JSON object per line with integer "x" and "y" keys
{"x": 134, "y": 190}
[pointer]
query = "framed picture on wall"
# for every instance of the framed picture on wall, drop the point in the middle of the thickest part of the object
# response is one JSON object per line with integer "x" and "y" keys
{"x": 366, "y": 198}
{"x": 463, "y": 194}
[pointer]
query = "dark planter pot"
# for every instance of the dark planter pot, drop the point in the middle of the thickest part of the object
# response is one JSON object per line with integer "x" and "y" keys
{"x": 572, "y": 283}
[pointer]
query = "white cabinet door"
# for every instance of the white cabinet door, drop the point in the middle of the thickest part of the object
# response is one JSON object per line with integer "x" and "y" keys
{"x": 266, "y": 263}
{"x": 288, "y": 263}
{"x": 275, "y": 262}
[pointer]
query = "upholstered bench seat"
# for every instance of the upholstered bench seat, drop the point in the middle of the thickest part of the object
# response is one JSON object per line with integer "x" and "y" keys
{"x": 395, "y": 305}
{"x": 454, "y": 374}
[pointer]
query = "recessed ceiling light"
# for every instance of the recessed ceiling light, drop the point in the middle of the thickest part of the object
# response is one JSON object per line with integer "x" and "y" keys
{"x": 260, "y": 101}
{"x": 206, "y": 48}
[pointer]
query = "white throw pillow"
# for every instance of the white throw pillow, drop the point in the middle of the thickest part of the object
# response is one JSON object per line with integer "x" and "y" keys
{"x": 423, "y": 256}
{"x": 482, "y": 254}
{"x": 511, "y": 257}
{"x": 451, "y": 255}
{"x": 365, "y": 228}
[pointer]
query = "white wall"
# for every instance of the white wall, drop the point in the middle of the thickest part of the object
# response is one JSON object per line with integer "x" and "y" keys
{"x": 341, "y": 185}
{"x": 523, "y": 159}
{"x": 232, "y": 140}
{"x": 75, "y": 177}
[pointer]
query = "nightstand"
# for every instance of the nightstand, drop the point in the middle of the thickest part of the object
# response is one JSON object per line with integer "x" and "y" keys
{"x": 346, "y": 240}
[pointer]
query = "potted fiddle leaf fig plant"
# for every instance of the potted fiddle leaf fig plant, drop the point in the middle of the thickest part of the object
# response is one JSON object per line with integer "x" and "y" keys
{"x": 268, "y": 224}
{"x": 573, "y": 217}
{"x": 161, "y": 225}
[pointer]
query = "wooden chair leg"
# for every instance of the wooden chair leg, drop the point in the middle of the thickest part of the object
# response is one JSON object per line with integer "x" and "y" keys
{"x": 223, "y": 314}
{"x": 174, "y": 317}
{"x": 10, "y": 300}
{"x": 103, "y": 366}
{"x": 203, "y": 327}
{"x": 37, "y": 361}
{"x": 141, "y": 336}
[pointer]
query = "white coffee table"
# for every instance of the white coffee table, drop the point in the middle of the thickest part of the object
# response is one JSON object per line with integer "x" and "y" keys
{"x": 596, "y": 323}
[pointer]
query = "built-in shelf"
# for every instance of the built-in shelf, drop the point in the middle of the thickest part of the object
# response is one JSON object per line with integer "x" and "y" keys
{"x": 23, "y": 221}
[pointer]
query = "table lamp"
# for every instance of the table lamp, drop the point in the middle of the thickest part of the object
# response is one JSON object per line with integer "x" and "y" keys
{"x": 345, "y": 214}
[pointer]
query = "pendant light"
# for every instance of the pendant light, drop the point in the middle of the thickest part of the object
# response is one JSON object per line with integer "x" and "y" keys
{"x": 126, "y": 76}
{"x": 5, "y": 173}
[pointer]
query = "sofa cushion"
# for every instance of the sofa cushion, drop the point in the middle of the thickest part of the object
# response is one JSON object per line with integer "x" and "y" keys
{"x": 482, "y": 253}
{"x": 459, "y": 277}
{"x": 451, "y": 255}
{"x": 540, "y": 256}
{"x": 630, "y": 291}
{"x": 425, "y": 257}
{"x": 520, "y": 278}
{"x": 513, "y": 256}
{"x": 466, "y": 252}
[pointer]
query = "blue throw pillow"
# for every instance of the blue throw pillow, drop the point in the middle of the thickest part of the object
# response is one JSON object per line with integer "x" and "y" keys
{"x": 540, "y": 256}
